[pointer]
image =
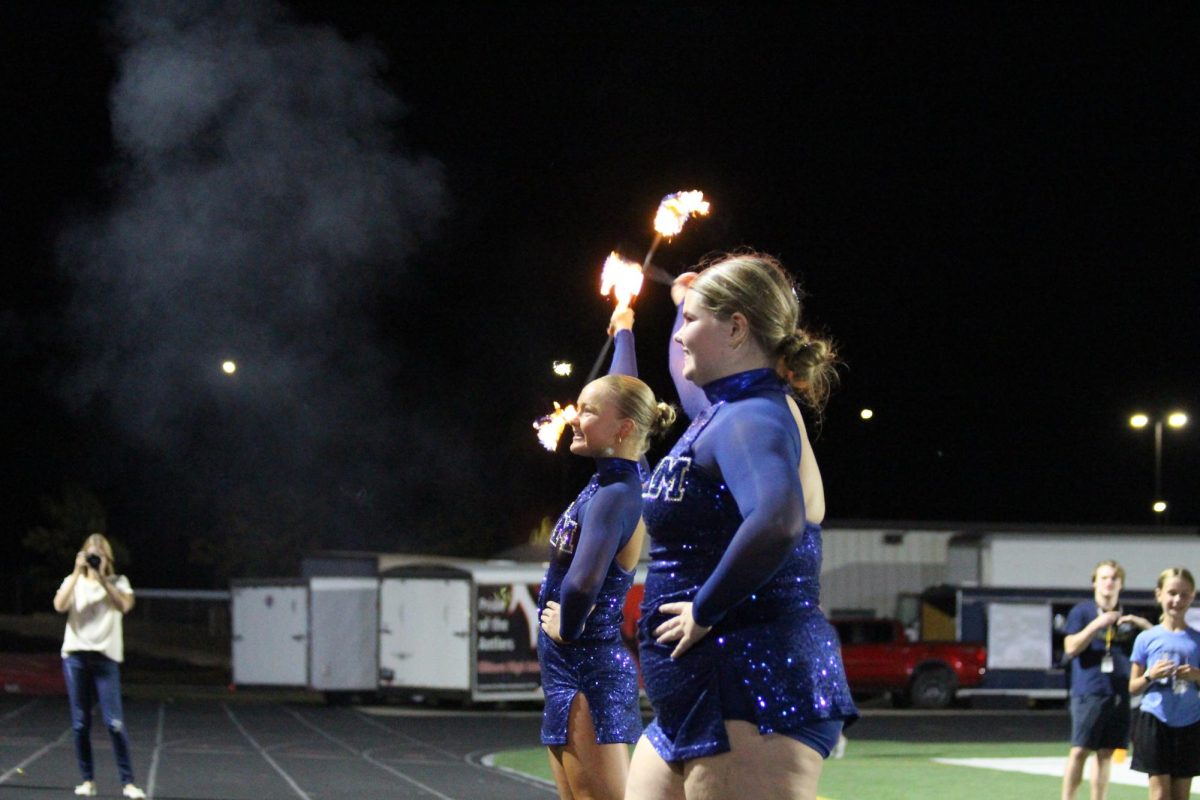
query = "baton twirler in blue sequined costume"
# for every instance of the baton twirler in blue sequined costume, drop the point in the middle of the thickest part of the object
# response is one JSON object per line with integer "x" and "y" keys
{"x": 771, "y": 657}
{"x": 596, "y": 660}
{"x": 583, "y": 572}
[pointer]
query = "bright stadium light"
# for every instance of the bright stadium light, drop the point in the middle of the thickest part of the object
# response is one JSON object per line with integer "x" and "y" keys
{"x": 866, "y": 413}
{"x": 1176, "y": 419}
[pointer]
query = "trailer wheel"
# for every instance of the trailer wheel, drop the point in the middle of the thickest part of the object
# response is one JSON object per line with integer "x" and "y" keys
{"x": 933, "y": 688}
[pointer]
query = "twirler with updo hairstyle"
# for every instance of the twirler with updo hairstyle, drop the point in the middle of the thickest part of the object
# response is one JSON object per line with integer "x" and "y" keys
{"x": 758, "y": 286}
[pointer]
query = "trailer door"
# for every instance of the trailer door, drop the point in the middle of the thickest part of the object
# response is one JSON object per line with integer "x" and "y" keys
{"x": 270, "y": 635}
{"x": 425, "y": 633}
{"x": 344, "y": 643}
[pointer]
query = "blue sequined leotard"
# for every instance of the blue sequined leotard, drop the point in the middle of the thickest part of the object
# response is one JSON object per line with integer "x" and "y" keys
{"x": 771, "y": 657}
{"x": 583, "y": 573}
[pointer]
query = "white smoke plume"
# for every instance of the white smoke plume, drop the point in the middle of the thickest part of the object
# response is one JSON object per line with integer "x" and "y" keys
{"x": 262, "y": 204}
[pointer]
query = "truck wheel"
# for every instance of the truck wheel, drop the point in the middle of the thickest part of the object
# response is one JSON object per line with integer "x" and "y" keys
{"x": 933, "y": 688}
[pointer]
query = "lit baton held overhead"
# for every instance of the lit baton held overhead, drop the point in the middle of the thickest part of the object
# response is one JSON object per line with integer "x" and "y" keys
{"x": 623, "y": 279}
{"x": 673, "y": 212}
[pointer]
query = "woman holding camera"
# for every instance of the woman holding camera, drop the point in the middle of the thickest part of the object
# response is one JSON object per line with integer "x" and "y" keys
{"x": 95, "y": 599}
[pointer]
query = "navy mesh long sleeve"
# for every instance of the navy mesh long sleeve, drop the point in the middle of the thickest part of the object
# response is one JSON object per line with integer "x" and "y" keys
{"x": 624, "y": 361}
{"x": 608, "y": 523}
{"x": 755, "y": 450}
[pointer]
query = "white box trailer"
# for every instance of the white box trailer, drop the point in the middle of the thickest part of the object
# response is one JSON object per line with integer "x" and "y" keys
{"x": 269, "y": 632}
{"x": 319, "y": 633}
{"x": 1064, "y": 559}
{"x": 460, "y": 628}
{"x": 428, "y": 626}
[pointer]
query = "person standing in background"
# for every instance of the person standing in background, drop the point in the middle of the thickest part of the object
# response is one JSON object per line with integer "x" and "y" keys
{"x": 95, "y": 600}
{"x": 1166, "y": 666}
{"x": 1099, "y": 680}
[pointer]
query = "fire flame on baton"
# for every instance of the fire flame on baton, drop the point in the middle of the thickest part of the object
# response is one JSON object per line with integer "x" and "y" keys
{"x": 550, "y": 427}
{"x": 623, "y": 279}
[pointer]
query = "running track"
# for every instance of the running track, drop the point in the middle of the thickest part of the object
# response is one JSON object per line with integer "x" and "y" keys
{"x": 262, "y": 751}
{"x": 233, "y": 748}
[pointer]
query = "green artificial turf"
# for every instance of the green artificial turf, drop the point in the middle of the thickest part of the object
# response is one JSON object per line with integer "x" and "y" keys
{"x": 886, "y": 770}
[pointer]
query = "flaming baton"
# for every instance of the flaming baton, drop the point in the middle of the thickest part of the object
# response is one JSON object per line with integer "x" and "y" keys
{"x": 673, "y": 212}
{"x": 623, "y": 279}
{"x": 550, "y": 427}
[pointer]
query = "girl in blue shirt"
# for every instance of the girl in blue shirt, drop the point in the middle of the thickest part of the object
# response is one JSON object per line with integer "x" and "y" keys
{"x": 1166, "y": 666}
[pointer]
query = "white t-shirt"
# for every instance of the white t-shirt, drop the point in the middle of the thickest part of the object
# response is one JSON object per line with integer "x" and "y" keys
{"x": 93, "y": 622}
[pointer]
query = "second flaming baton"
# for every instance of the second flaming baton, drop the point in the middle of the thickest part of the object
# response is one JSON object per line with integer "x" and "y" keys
{"x": 623, "y": 279}
{"x": 673, "y": 212}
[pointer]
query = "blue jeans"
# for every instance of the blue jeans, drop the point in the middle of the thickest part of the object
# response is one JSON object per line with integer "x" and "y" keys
{"x": 91, "y": 677}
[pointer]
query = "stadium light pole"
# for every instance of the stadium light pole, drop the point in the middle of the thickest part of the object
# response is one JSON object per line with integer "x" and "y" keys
{"x": 1176, "y": 419}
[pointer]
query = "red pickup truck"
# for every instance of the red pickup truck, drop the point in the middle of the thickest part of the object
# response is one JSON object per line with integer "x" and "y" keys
{"x": 880, "y": 658}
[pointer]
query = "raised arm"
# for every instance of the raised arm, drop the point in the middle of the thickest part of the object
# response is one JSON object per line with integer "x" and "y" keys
{"x": 66, "y": 590}
{"x": 119, "y": 593}
{"x": 609, "y": 521}
{"x": 624, "y": 361}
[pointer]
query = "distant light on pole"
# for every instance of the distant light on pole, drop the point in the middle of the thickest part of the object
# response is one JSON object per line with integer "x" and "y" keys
{"x": 228, "y": 367}
{"x": 563, "y": 368}
{"x": 866, "y": 413}
{"x": 1176, "y": 419}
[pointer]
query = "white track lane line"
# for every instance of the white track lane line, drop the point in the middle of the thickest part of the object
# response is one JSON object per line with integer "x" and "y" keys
{"x": 267, "y": 756}
{"x": 36, "y": 755}
{"x": 20, "y": 709}
{"x": 366, "y": 756}
{"x": 511, "y": 774}
{"x": 158, "y": 745}
{"x": 487, "y": 760}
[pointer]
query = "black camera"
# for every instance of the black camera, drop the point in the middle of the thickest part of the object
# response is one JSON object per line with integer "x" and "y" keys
{"x": 93, "y": 560}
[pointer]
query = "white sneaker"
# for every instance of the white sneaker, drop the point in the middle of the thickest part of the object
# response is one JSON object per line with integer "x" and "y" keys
{"x": 86, "y": 789}
{"x": 133, "y": 791}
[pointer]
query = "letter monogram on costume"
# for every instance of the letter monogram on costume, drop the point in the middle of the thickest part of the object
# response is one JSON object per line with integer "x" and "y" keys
{"x": 566, "y": 533}
{"x": 667, "y": 480}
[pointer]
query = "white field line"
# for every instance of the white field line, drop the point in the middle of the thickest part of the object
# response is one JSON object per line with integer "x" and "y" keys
{"x": 19, "y": 768}
{"x": 366, "y": 756}
{"x": 158, "y": 745}
{"x": 489, "y": 760}
{"x": 454, "y": 756}
{"x": 1052, "y": 766}
{"x": 267, "y": 756}
{"x": 20, "y": 709}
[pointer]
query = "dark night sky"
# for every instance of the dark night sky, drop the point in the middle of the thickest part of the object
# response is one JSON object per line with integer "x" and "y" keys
{"x": 994, "y": 213}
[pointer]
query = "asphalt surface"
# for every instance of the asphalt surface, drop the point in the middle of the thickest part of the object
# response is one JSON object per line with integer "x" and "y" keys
{"x": 262, "y": 748}
{"x": 236, "y": 750}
